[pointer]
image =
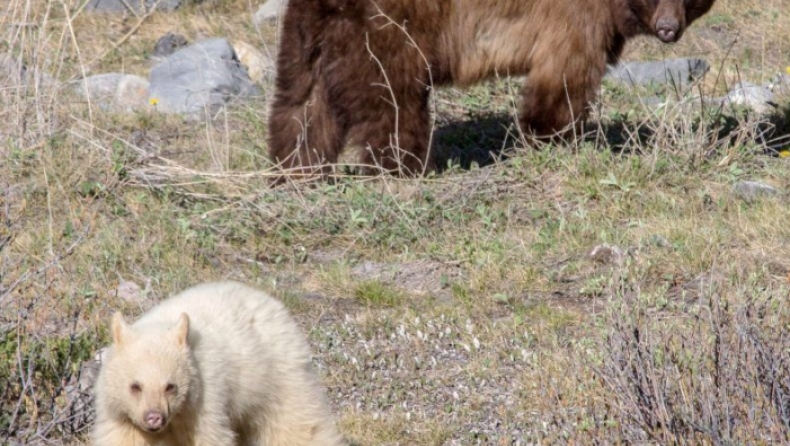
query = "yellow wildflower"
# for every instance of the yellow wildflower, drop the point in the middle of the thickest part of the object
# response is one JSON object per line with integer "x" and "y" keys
{"x": 784, "y": 153}
{"x": 153, "y": 101}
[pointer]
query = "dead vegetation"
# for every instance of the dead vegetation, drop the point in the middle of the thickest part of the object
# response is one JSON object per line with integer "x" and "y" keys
{"x": 461, "y": 308}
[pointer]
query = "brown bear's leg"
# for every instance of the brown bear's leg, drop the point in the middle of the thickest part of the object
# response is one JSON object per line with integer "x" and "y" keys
{"x": 353, "y": 78}
{"x": 554, "y": 98}
{"x": 396, "y": 139}
{"x": 375, "y": 83}
{"x": 305, "y": 137}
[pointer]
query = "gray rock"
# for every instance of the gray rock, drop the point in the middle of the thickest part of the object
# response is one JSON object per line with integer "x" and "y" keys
{"x": 79, "y": 393}
{"x": 199, "y": 79}
{"x": 89, "y": 371}
{"x": 756, "y": 97}
{"x": 753, "y": 190}
{"x": 269, "y": 11}
{"x": 167, "y": 45}
{"x": 607, "y": 254}
{"x": 675, "y": 72}
{"x": 131, "y": 94}
{"x": 13, "y": 73}
{"x": 115, "y": 91}
{"x": 135, "y": 6}
{"x": 780, "y": 84}
{"x": 100, "y": 87}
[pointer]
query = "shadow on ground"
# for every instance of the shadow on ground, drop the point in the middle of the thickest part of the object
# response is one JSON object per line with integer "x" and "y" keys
{"x": 483, "y": 139}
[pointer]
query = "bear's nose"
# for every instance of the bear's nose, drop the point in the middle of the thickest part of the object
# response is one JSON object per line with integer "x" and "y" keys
{"x": 154, "y": 420}
{"x": 667, "y": 29}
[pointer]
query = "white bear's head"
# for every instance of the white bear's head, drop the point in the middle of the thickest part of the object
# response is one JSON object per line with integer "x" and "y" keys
{"x": 148, "y": 375}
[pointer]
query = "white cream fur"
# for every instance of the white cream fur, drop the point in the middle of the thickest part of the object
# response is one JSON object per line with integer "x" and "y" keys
{"x": 244, "y": 378}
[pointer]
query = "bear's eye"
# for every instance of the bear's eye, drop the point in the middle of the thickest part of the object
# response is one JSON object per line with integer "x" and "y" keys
{"x": 170, "y": 388}
{"x": 136, "y": 388}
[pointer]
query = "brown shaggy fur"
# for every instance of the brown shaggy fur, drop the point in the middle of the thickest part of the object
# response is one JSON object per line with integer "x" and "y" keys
{"x": 360, "y": 71}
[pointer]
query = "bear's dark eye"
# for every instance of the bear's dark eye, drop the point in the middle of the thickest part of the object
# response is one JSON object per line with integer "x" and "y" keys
{"x": 170, "y": 388}
{"x": 136, "y": 388}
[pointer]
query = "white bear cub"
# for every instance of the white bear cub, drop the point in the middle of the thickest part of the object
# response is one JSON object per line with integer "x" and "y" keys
{"x": 220, "y": 364}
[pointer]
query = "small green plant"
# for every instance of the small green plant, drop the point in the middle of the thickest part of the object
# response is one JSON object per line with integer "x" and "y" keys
{"x": 91, "y": 188}
{"x": 612, "y": 180}
{"x": 376, "y": 294}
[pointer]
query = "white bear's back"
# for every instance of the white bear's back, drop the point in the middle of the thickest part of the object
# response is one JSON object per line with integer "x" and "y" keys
{"x": 229, "y": 312}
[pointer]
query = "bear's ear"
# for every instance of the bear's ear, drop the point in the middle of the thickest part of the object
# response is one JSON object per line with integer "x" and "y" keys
{"x": 119, "y": 328}
{"x": 181, "y": 330}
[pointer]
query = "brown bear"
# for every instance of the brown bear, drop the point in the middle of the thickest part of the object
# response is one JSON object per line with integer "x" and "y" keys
{"x": 361, "y": 71}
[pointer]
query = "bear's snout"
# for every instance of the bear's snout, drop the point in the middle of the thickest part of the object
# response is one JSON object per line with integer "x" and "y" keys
{"x": 667, "y": 29}
{"x": 154, "y": 420}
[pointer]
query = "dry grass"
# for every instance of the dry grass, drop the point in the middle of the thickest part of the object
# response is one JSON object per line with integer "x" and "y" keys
{"x": 456, "y": 309}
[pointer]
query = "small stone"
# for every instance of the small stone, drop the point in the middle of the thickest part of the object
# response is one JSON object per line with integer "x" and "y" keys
{"x": 130, "y": 292}
{"x": 100, "y": 88}
{"x": 674, "y": 72}
{"x": 134, "y": 6}
{"x": 777, "y": 269}
{"x": 14, "y": 73}
{"x": 269, "y": 11}
{"x": 753, "y": 190}
{"x": 259, "y": 67}
{"x": 780, "y": 84}
{"x": 79, "y": 393}
{"x": 660, "y": 241}
{"x": 167, "y": 45}
{"x": 756, "y": 97}
{"x": 313, "y": 296}
{"x": 607, "y": 254}
{"x": 89, "y": 371}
